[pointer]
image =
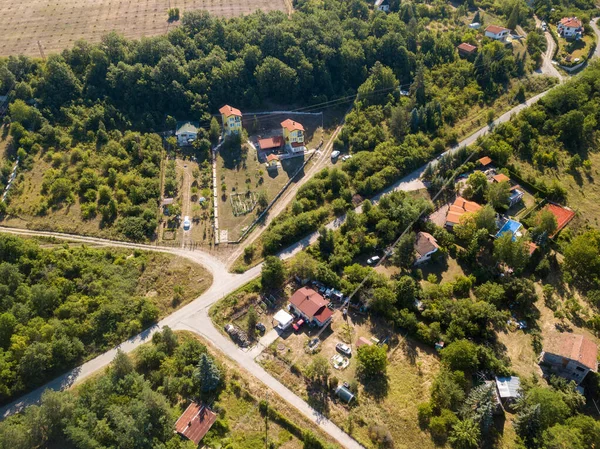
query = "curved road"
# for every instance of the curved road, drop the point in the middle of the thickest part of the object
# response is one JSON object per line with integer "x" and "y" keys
{"x": 194, "y": 316}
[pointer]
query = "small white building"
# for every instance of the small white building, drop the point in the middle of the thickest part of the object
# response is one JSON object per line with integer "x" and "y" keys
{"x": 186, "y": 132}
{"x": 382, "y": 5}
{"x": 497, "y": 33}
{"x": 570, "y": 27}
{"x": 283, "y": 319}
{"x": 425, "y": 246}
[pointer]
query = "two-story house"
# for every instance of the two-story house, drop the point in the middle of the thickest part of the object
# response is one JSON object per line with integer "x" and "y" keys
{"x": 231, "y": 119}
{"x": 311, "y": 306}
{"x": 570, "y": 28}
{"x": 570, "y": 356}
{"x": 497, "y": 33}
{"x": 186, "y": 133}
{"x": 425, "y": 246}
{"x": 293, "y": 135}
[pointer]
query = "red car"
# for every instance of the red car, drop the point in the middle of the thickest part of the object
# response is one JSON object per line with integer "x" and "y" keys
{"x": 298, "y": 324}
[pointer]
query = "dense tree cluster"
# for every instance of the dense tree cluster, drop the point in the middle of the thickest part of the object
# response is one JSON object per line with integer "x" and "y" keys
{"x": 59, "y": 306}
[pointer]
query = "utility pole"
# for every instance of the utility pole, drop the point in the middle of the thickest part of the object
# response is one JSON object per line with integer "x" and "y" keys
{"x": 41, "y": 50}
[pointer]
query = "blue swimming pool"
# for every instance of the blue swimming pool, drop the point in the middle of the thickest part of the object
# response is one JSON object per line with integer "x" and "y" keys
{"x": 511, "y": 226}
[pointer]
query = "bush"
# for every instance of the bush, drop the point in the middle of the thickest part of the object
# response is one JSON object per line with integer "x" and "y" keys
{"x": 424, "y": 413}
{"x": 440, "y": 426}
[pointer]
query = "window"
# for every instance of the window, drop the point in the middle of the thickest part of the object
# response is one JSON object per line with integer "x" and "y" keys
{"x": 579, "y": 368}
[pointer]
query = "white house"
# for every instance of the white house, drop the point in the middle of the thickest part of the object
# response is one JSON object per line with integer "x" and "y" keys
{"x": 382, "y": 5}
{"x": 186, "y": 132}
{"x": 425, "y": 246}
{"x": 497, "y": 33}
{"x": 570, "y": 27}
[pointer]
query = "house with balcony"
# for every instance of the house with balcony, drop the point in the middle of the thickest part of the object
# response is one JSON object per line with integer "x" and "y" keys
{"x": 570, "y": 28}
{"x": 293, "y": 136}
{"x": 231, "y": 118}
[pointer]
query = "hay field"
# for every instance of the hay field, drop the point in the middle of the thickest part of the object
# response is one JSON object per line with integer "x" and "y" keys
{"x": 57, "y": 24}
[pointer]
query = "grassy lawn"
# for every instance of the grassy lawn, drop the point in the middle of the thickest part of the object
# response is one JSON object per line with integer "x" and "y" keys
{"x": 571, "y": 50}
{"x": 245, "y": 178}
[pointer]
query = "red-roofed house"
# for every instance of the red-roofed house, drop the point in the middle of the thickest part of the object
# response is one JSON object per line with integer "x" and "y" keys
{"x": 563, "y": 216}
{"x": 466, "y": 49}
{"x": 497, "y": 33}
{"x": 570, "y": 356}
{"x": 458, "y": 209}
{"x": 195, "y": 422}
{"x": 501, "y": 177}
{"x": 231, "y": 119}
{"x": 293, "y": 135}
{"x": 311, "y": 306}
{"x": 570, "y": 27}
{"x": 425, "y": 246}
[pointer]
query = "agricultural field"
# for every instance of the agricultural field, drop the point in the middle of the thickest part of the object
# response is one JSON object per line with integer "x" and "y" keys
{"x": 57, "y": 25}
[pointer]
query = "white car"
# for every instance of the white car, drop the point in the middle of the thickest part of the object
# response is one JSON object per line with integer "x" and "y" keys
{"x": 187, "y": 224}
{"x": 373, "y": 260}
{"x": 344, "y": 349}
{"x": 335, "y": 155}
{"x": 345, "y": 157}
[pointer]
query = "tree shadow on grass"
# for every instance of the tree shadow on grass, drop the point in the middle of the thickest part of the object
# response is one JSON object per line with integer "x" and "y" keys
{"x": 377, "y": 388}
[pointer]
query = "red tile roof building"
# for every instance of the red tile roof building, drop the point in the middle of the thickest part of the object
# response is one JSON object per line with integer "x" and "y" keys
{"x": 485, "y": 161}
{"x": 501, "y": 177}
{"x": 466, "y": 49}
{"x": 195, "y": 422}
{"x": 229, "y": 110}
{"x": 563, "y": 216}
{"x": 458, "y": 209}
{"x": 495, "y": 29}
{"x": 571, "y": 22}
{"x": 311, "y": 305}
{"x": 569, "y": 355}
{"x": 291, "y": 125}
{"x": 270, "y": 143}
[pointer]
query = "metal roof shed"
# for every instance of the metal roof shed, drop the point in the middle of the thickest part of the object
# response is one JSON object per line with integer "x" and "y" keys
{"x": 508, "y": 387}
{"x": 344, "y": 394}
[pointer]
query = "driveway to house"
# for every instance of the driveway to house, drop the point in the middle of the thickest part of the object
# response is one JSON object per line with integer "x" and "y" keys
{"x": 594, "y": 25}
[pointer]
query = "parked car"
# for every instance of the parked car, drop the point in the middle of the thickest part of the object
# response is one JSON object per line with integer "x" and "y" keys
{"x": 373, "y": 260}
{"x": 345, "y": 157}
{"x": 187, "y": 224}
{"x": 334, "y": 155}
{"x": 261, "y": 327}
{"x": 344, "y": 349}
{"x": 298, "y": 324}
{"x": 404, "y": 93}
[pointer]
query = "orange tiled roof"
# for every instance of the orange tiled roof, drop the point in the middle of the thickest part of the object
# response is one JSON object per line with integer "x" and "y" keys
{"x": 229, "y": 110}
{"x": 574, "y": 347}
{"x": 501, "y": 177}
{"x": 195, "y": 422}
{"x": 291, "y": 125}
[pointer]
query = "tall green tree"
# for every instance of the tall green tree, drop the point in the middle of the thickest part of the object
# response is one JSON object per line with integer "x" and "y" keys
{"x": 208, "y": 374}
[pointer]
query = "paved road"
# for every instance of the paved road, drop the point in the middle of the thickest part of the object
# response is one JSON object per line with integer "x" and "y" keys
{"x": 194, "y": 316}
{"x": 594, "y": 24}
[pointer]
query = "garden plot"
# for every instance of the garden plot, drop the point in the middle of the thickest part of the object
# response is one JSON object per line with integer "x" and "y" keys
{"x": 243, "y": 203}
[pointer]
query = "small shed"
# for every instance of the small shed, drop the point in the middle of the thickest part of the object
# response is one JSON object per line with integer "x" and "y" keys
{"x": 195, "y": 422}
{"x": 485, "y": 161}
{"x": 465, "y": 49}
{"x": 284, "y": 319}
{"x": 509, "y": 388}
{"x": 344, "y": 394}
{"x": 362, "y": 341}
{"x": 272, "y": 160}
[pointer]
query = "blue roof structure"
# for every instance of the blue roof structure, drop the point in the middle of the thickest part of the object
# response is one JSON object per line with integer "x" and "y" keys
{"x": 511, "y": 226}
